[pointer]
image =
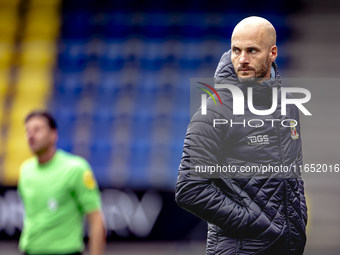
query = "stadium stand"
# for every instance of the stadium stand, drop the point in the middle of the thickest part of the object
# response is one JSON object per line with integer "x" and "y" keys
{"x": 120, "y": 86}
{"x": 33, "y": 68}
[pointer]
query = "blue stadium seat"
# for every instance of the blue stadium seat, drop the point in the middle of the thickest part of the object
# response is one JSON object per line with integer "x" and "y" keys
{"x": 176, "y": 150}
{"x": 127, "y": 5}
{"x": 155, "y": 25}
{"x": 100, "y": 157}
{"x": 112, "y": 58}
{"x": 190, "y": 57}
{"x": 283, "y": 31}
{"x": 64, "y": 114}
{"x": 68, "y": 90}
{"x": 141, "y": 131}
{"x": 152, "y": 58}
{"x": 77, "y": 24}
{"x": 116, "y": 24}
{"x": 101, "y": 150}
{"x": 180, "y": 120}
{"x": 144, "y": 106}
{"x": 65, "y": 144}
{"x": 103, "y": 123}
{"x": 192, "y": 25}
{"x": 109, "y": 85}
{"x": 79, "y": 4}
{"x": 148, "y": 81}
{"x": 73, "y": 56}
{"x": 69, "y": 83}
{"x": 139, "y": 162}
{"x": 66, "y": 127}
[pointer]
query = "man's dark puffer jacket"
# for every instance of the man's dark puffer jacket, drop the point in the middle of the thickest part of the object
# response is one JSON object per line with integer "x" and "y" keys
{"x": 266, "y": 216}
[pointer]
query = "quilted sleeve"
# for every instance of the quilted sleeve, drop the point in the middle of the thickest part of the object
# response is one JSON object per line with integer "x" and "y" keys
{"x": 301, "y": 183}
{"x": 203, "y": 146}
{"x": 303, "y": 201}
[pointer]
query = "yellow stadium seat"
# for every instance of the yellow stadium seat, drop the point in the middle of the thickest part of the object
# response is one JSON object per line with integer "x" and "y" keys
{"x": 7, "y": 38}
{"x": 16, "y": 151}
{"x": 21, "y": 107}
{"x": 34, "y": 81}
{"x": 55, "y": 4}
{"x": 36, "y": 72}
{"x": 30, "y": 101}
{"x": 4, "y": 77}
{"x": 11, "y": 168}
{"x": 1, "y": 145}
{"x": 9, "y": 3}
{"x": 2, "y": 104}
{"x": 6, "y": 54}
{"x": 32, "y": 89}
{"x": 15, "y": 133}
{"x": 39, "y": 31}
{"x": 19, "y": 111}
{"x": 42, "y": 23}
{"x": 4, "y": 81}
{"x": 43, "y": 14}
{"x": 8, "y": 24}
{"x": 38, "y": 53}
{"x": 1, "y": 113}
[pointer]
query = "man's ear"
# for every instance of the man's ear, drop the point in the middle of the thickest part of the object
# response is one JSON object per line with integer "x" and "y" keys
{"x": 273, "y": 53}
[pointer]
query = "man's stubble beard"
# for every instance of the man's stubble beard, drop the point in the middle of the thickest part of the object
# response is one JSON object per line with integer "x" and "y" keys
{"x": 259, "y": 74}
{"x": 42, "y": 149}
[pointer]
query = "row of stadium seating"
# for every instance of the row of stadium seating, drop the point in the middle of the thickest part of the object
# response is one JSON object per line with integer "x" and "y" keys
{"x": 120, "y": 88}
{"x": 121, "y": 94}
{"x": 155, "y": 19}
{"x": 8, "y": 15}
{"x": 34, "y": 27}
{"x": 280, "y": 7}
{"x": 156, "y": 25}
{"x": 113, "y": 55}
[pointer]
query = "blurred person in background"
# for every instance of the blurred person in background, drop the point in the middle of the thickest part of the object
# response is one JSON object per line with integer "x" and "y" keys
{"x": 252, "y": 215}
{"x": 57, "y": 189}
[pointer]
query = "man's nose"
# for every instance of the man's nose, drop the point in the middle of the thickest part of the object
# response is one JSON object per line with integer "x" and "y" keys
{"x": 244, "y": 58}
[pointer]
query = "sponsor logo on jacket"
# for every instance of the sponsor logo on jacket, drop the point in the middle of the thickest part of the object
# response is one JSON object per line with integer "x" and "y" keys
{"x": 258, "y": 140}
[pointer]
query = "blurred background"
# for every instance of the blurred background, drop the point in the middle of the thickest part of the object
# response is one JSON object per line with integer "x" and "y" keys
{"x": 116, "y": 76}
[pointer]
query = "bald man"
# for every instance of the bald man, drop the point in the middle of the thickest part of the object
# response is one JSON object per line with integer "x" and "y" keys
{"x": 253, "y": 45}
{"x": 252, "y": 207}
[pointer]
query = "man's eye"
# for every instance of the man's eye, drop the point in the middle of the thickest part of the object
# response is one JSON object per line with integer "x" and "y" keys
{"x": 252, "y": 51}
{"x": 236, "y": 51}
